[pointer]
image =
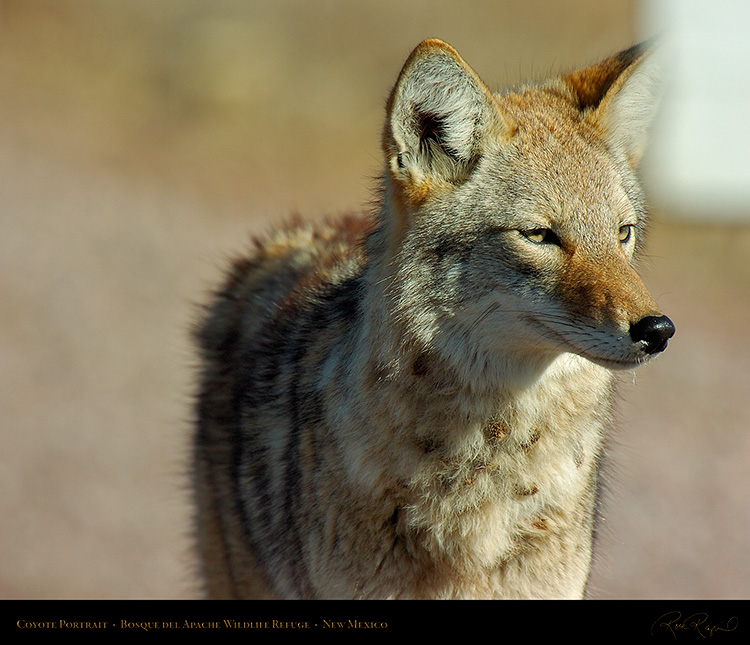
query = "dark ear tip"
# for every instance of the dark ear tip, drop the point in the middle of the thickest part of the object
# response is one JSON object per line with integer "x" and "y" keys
{"x": 428, "y": 48}
{"x": 592, "y": 83}
{"x": 435, "y": 44}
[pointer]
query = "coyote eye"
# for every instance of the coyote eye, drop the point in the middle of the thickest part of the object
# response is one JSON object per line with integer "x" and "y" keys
{"x": 626, "y": 233}
{"x": 541, "y": 236}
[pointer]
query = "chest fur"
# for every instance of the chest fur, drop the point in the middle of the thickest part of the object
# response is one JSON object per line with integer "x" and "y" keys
{"x": 525, "y": 474}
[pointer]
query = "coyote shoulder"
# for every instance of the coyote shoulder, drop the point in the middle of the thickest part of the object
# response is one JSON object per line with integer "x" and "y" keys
{"x": 412, "y": 404}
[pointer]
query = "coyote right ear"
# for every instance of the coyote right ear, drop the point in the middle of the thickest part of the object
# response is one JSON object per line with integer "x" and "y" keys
{"x": 620, "y": 95}
{"x": 439, "y": 117}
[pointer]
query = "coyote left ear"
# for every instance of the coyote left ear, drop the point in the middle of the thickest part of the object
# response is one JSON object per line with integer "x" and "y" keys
{"x": 620, "y": 95}
{"x": 439, "y": 117}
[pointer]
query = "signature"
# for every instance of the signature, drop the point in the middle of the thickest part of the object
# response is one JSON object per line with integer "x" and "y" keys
{"x": 673, "y": 623}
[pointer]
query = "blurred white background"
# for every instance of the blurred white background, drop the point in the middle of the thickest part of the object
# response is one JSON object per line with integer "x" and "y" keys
{"x": 699, "y": 160}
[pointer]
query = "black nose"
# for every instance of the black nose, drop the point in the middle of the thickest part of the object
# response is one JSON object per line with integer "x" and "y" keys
{"x": 653, "y": 332}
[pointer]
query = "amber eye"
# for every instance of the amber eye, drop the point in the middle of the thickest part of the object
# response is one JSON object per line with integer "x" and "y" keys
{"x": 626, "y": 233}
{"x": 541, "y": 236}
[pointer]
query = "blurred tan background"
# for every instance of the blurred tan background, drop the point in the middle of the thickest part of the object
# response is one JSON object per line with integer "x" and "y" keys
{"x": 142, "y": 142}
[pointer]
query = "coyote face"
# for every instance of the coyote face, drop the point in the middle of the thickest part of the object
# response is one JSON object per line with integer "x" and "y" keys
{"x": 524, "y": 209}
{"x": 412, "y": 405}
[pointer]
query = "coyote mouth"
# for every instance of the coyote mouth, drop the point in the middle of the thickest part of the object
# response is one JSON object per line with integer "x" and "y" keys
{"x": 616, "y": 363}
{"x": 632, "y": 359}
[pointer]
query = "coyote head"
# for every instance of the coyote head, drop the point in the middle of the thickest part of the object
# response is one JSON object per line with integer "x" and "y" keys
{"x": 512, "y": 220}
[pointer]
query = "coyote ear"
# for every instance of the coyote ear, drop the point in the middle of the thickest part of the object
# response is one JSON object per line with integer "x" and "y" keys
{"x": 621, "y": 95}
{"x": 439, "y": 116}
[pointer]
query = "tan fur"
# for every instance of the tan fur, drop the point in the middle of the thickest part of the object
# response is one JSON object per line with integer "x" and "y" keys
{"x": 412, "y": 404}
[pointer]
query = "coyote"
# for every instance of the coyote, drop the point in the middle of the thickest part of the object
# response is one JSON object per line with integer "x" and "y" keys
{"x": 412, "y": 403}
